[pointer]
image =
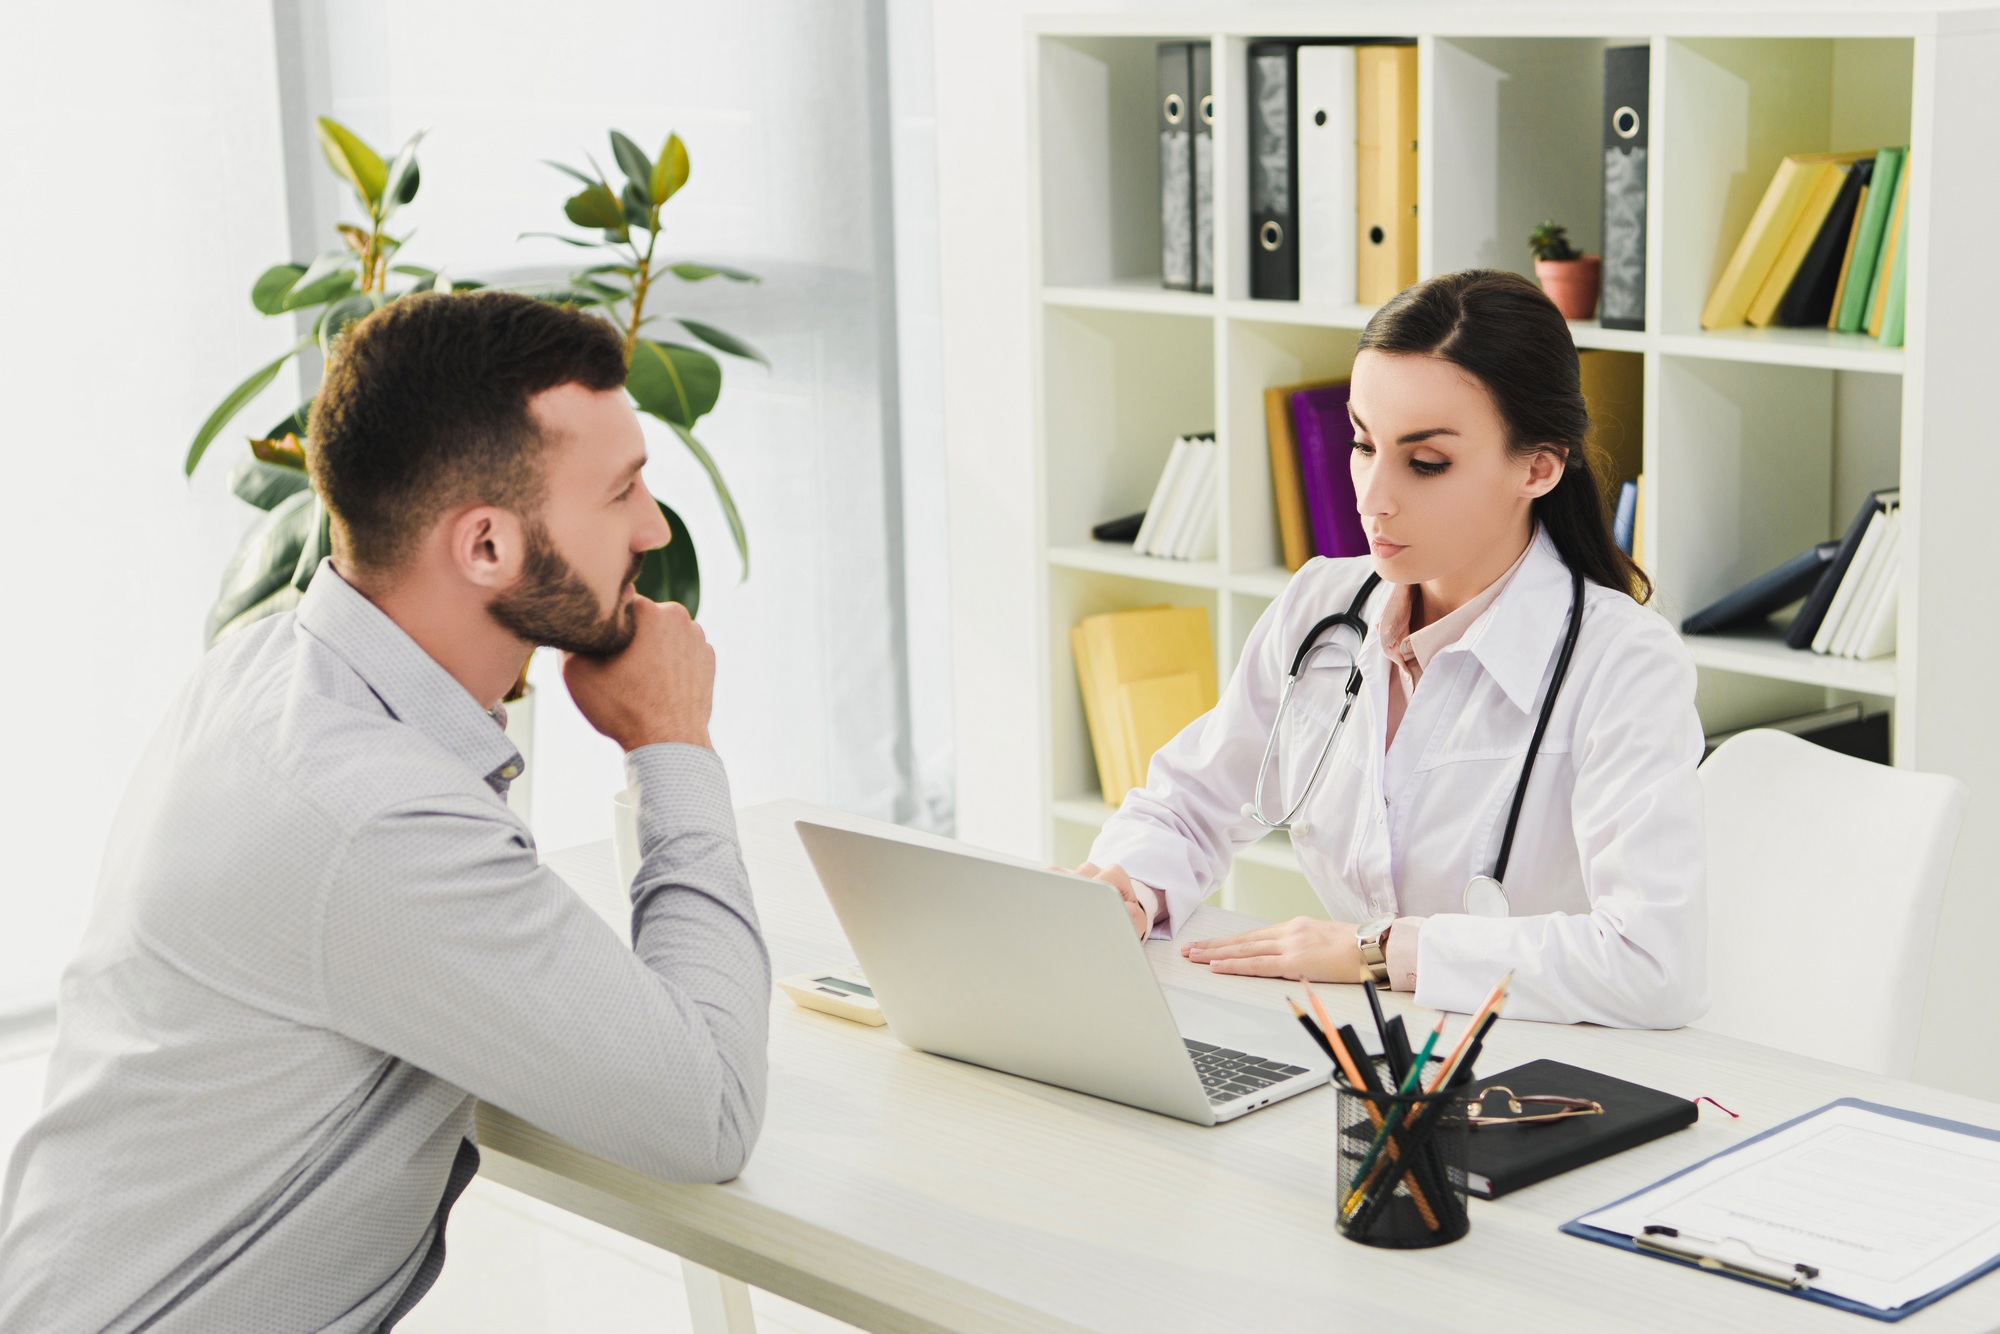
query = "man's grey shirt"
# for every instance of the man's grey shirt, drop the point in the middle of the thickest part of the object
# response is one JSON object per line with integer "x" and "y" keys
{"x": 319, "y": 933}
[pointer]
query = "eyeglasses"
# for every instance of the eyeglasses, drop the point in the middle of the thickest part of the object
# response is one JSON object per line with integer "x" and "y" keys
{"x": 1519, "y": 1116}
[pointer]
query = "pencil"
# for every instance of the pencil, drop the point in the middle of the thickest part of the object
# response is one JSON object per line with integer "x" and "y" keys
{"x": 1330, "y": 1042}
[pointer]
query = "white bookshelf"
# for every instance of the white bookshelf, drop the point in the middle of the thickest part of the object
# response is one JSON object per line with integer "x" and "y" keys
{"x": 1757, "y": 442}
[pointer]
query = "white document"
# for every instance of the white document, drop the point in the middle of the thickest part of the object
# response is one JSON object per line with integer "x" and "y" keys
{"x": 1186, "y": 500}
{"x": 1851, "y": 580}
{"x": 1163, "y": 490}
{"x": 1888, "y": 1210}
{"x": 1326, "y": 175}
{"x": 1863, "y": 606}
{"x": 1882, "y": 591}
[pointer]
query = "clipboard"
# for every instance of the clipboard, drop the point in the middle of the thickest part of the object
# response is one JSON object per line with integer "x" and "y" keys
{"x": 1576, "y": 1227}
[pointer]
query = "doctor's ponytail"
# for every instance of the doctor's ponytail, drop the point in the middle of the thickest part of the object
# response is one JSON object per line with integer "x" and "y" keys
{"x": 1499, "y": 328}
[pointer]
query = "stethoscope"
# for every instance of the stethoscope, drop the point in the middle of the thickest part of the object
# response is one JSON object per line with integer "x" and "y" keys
{"x": 1484, "y": 895}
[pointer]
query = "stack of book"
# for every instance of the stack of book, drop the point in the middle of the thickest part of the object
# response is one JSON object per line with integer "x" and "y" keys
{"x": 1145, "y": 675}
{"x": 1850, "y": 589}
{"x": 1179, "y": 524}
{"x": 1826, "y": 247}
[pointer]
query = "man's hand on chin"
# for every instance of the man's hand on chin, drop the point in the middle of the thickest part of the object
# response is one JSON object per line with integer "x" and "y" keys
{"x": 660, "y": 688}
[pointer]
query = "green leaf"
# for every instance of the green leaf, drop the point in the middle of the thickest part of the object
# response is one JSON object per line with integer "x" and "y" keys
{"x": 343, "y": 313}
{"x": 294, "y": 424}
{"x": 725, "y": 342}
{"x": 677, "y": 384}
{"x": 633, "y": 162}
{"x": 268, "y": 293}
{"x": 263, "y": 565}
{"x": 264, "y": 484}
{"x": 316, "y": 548}
{"x": 234, "y": 403}
{"x": 355, "y": 162}
{"x": 722, "y": 495}
{"x": 672, "y": 573}
{"x": 638, "y": 213}
{"x": 403, "y": 177}
{"x": 595, "y": 207}
{"x": 284, "y": 287}
{"x": 570, "y": 171}
{"x": 671, "y": 173}
{"x": 694, "y": 273}
{"x": 578, "y": 242}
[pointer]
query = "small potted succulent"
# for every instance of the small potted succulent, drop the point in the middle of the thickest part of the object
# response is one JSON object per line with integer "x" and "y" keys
{"x": 1569, "y": 278}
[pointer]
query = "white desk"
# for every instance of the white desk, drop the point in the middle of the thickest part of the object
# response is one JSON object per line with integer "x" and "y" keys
{"x": 901, "y": 1191}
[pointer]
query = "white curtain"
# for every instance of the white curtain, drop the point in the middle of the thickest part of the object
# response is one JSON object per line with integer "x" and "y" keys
{"x": 160, "y": 157}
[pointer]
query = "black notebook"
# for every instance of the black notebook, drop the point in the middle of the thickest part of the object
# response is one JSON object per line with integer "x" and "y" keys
{"x": 1500, "y": 1159}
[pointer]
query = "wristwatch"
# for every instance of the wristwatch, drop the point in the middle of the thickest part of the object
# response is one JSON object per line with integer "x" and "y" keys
{"x": 1372, "y": 936}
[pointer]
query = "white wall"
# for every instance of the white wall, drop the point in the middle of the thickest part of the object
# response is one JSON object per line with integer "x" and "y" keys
{"x": 145, "y": 193}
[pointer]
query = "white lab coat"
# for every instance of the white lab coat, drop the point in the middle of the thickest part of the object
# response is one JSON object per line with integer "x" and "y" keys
{"x": 1606, "y": 879}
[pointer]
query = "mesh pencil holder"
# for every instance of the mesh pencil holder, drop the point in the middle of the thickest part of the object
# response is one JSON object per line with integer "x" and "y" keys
{"x": 1407, "y": 1190}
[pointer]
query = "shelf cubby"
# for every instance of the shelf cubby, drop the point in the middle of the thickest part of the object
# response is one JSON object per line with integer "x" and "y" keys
{"x": 1758, "y": 442}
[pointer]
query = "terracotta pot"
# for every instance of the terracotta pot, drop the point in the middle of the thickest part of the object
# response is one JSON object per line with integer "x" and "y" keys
{"x": 1571, "y": 284}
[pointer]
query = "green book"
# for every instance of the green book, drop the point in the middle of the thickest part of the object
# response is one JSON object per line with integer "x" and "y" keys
{"x": 1892, "y": 307}
{"x": 1859, "y": 298}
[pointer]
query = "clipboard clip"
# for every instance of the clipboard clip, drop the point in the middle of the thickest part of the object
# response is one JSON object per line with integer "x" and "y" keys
{"x": 1707, "y": 1252}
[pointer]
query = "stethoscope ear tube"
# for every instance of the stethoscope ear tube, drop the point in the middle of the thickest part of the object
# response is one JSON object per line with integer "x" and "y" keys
{"x": 1541, "y": 726}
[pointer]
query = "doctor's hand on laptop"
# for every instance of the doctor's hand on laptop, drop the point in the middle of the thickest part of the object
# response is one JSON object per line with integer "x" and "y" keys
{"x": 1144, "y": 904}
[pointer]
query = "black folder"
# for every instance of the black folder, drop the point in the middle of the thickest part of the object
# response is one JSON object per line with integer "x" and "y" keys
{"x": 1768, "y": 592}
{"x": 1809, "y": 300}
{"x": 1806, "y": 624}
{"x": 1500, "y": 1159}
{"x": 1274, "y": 170}
{"x": 1627, "y": 76}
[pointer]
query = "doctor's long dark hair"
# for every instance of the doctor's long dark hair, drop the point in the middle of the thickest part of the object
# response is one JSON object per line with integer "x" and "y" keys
{"x": 1500, "y": 329}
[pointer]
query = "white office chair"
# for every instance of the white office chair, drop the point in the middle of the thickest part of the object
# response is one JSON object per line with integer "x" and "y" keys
{"x": 1825, "y": 874}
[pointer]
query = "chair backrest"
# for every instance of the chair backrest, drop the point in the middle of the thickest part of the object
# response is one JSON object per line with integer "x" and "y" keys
{"x": 1825, "y": 874}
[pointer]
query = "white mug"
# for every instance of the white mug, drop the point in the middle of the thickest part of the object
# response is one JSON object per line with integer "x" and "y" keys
{"x": 625, "y": 835}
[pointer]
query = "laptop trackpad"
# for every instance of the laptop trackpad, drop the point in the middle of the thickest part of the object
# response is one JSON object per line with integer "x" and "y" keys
{"x": 1257, "y": 1030}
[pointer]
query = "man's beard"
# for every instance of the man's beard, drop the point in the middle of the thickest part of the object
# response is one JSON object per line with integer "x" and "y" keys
{"x": 553, "y": 606}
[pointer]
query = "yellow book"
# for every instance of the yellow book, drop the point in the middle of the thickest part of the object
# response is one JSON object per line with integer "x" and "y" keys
{"x": 1121, "y": 648}
{"x": 1770, "y": 227}
{"x": 1828, "y": 178}
{"x": 1295, "y": 537}
{"x": 1094, "y": 717}
{"x": 1614, "y": 387}
{"x": 1639, "y": 524}
{"x": 1885, "y": 268}
{"x": 1385, "y": 171}
{"x": 1847, "y": 261}
{"x": 1152, "y": 712}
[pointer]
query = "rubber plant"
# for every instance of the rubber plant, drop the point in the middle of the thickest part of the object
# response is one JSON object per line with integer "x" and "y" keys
{"x": 674, "y": 381}
{"x": 275, "y": 561}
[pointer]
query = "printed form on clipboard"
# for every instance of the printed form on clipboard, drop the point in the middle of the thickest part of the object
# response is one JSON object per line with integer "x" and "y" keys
{"x": 1856, "y": 1205}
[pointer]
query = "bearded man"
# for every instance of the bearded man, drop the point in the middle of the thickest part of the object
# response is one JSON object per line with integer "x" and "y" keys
{"x": 319, "y": 932}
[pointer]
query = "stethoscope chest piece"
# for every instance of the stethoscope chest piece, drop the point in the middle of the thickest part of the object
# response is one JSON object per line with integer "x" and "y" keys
{"x": 1484, "y": 897}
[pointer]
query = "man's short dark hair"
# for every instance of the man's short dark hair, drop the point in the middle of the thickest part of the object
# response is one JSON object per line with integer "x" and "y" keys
{"x": 425, "y": 408}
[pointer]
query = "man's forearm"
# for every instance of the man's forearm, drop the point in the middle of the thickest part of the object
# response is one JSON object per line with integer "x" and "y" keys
{"x": 695, "y": 925}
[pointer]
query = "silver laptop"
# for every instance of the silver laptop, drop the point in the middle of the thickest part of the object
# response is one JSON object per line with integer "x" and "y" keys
{"x": 1039, "y": 974}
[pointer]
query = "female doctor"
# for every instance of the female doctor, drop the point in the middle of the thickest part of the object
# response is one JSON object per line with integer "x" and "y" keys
{"x": 1505, "y": 624}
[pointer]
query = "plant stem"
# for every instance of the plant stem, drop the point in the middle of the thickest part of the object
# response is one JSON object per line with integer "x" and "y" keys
{"x": 640, "y": 286}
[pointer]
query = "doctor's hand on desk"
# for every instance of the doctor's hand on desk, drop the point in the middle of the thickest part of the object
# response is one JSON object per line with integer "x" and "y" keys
{"x": 1304, "y": 949}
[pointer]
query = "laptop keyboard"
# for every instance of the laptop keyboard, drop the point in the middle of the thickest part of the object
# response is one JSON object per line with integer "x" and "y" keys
{"x": 1227, "y": 1074}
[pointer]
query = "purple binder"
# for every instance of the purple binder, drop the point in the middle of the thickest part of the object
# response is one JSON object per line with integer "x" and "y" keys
{"x": 1326, "y": 444}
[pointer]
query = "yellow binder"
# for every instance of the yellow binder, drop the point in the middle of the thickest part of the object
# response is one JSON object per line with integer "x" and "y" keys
{"x": 1385, "y": 151}
{"x": 1127, "y": 663}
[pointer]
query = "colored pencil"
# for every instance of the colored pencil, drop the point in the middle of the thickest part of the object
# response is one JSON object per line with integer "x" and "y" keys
{"x": 1335, "y": 1048}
